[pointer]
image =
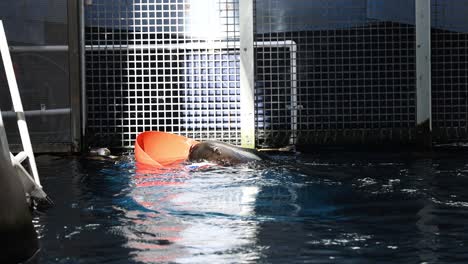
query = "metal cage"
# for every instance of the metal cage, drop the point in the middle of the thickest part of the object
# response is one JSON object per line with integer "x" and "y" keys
{"x": 162, "y": 65}
{"x": 324, "y": 72}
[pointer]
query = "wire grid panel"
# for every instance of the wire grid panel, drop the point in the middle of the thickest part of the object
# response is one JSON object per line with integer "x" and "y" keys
{"x": 449, "y": 70}
{"x": 355, "y": 69}
{"x": 275, "y": 93}
{"x": 166, "y": 65}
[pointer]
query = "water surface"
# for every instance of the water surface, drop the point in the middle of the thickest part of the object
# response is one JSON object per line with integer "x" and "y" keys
{"x": 323, "y": 208}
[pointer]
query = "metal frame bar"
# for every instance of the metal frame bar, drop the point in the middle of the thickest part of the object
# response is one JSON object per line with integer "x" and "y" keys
{"x": 46, "y": 48}
{"x": 423, "y": 62}
{"x": 247, "y": 73}
{"x": 182, "y": 46}
{"x": 42, "y": 112}
{"x": 75, "y": 62}
{"x": 83, "y": 111}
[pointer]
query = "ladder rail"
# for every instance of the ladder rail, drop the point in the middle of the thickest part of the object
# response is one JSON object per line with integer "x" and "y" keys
{"x": 17, "y": 105}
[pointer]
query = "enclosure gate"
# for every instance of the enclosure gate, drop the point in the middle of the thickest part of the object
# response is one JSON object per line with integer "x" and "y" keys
{"x": 275, "y": 72}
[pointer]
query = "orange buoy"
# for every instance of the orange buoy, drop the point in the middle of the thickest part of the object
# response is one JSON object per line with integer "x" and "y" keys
{"x": 162, "y": 149}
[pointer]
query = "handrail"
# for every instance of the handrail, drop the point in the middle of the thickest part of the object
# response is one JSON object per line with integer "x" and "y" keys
{"x": 32, "y": 185}
{"x": 40, "y": 112}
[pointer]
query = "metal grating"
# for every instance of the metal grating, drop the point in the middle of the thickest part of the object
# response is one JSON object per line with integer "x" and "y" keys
{"x": 167, "y": 65}
{"x": 338, "y": 71}
{"x": 450, "y": 70}
{"x": 275, "y": 93}
{"x": 355, "y": 71}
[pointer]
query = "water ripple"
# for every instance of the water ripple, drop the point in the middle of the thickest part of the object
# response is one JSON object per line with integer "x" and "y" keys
{"x": 327, "y": 208}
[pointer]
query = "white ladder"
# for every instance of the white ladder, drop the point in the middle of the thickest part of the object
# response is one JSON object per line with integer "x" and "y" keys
{"x": 32, "y": 184}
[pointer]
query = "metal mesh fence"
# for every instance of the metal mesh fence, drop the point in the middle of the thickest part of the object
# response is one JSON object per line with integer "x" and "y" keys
{"x": 336, "y": 71}
{"x": 276, "y": 92}
{"x": 167, "y": 65}
{"x": 449, "y": 70}
{"x": 353, "y": 75}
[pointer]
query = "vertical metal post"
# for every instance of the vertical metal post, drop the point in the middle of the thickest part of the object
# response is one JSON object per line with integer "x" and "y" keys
{"x": 247, "y": 73}
{"x": 74, "y": 71}
{"x": 423, "y": 70}
{"x": 84, "y": 106}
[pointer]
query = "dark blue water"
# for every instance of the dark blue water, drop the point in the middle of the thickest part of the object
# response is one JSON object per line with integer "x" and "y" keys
{"x": 320, "y": 208}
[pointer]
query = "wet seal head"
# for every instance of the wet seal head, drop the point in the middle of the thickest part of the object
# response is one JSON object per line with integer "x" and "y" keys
{"x": 222, "y": 153}
{"x": 102, "y": 152}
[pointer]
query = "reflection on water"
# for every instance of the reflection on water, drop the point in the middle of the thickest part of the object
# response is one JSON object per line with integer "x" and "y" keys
{"x": 194, "y": 216}
{"x": 327, "y": 208}
{"x": 190, "y": 216}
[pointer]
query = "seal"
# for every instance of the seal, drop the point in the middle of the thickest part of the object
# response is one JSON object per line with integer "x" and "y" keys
{"x": 222, "y": 153}
{"x": 104, "y": 154}
{"x": 101, "y": 152}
